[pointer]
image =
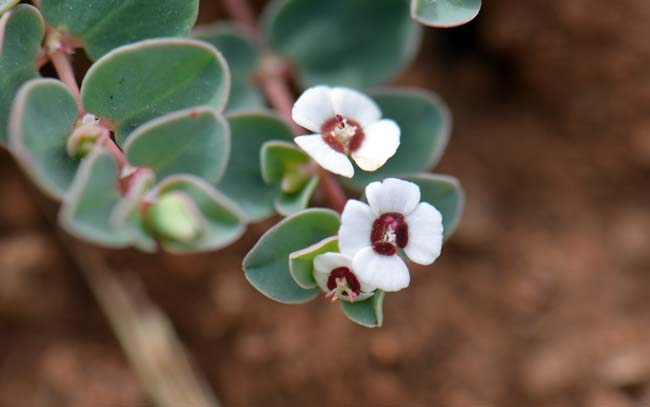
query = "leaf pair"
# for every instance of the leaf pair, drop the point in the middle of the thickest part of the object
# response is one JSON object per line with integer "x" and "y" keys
{"x": 281, "y": 262}
{"x": 129, "y": 87}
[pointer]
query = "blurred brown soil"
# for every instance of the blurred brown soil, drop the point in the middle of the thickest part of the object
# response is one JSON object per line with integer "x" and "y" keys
{"x": 541, "y": 299}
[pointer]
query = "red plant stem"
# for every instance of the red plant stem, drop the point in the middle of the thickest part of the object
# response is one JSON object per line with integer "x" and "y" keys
{"x": 64, "y": 69}
{"x": 242, "y": 11}
{"x": 333, "y": 190}
{"x": 105, "y": 138}
{"x": 278, "y": 93}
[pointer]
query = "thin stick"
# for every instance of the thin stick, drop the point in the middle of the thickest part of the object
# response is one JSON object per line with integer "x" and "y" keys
{"x": 145, "y": 333}
{"x": 64, "y": 69}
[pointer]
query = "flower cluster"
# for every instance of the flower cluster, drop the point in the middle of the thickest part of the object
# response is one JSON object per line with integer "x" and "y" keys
{"x": 371, "y": 238}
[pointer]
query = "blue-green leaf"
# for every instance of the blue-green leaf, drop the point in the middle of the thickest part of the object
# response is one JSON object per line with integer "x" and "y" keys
{"x": 136, "y": 83}
{"x": 243, "y": 58}
{"x": 425, "y": 124}
{"x": 42, "y": 119}
{"x": 195, "y": 141}
{"x": 103, "y": 25}
{"x": 21, "y": 33}
{"x": 355, "y": 43}
{"x": 87, "y": 208}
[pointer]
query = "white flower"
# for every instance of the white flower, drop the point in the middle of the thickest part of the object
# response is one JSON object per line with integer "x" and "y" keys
{"x": 333, "y": 274}
{"x": 347, "y": 123}
{"x": 394, "y": 219}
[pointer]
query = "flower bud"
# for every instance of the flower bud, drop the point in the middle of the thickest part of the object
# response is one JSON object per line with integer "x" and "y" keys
{"x": 175, "y": 217}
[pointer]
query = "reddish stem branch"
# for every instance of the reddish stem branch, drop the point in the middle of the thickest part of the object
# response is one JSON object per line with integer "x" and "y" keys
{"x": 105, "y": 138}
{"x": 279, "y": 96}
{"x": 273, "y": 77}
{"x": 64, "y": 69}
{"x": 333, "y": 190}
{"x": 242, "y": 11}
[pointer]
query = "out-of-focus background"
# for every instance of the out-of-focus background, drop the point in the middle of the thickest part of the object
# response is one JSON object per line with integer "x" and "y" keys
{"x": 542, "y": 298}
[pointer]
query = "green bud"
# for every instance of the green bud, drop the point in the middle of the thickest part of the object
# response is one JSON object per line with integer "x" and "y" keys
{"x": 175, "y": 217}
{"x": 294, "y": 181}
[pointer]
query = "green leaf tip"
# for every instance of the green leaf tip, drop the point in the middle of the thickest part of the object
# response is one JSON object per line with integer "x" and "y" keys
{"x": 444, "y": 13}
{"x": 368, "y": 313}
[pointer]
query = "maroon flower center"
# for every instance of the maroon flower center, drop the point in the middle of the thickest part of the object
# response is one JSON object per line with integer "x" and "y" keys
{"x": 342, "y": 134}
{"x": 389, "y": 231}
{"x": 343, "y": 274}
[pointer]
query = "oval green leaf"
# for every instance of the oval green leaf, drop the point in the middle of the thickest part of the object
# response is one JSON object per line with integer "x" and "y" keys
{"x": 42, "y": 119}
{"x": 446, "y": 194}
{"x": 87, "y": 208}
{"x": 195, "y": 141}
{"x": 243, "y": 181}
{"x": 355, "y": 43}
{"x": 136, "y": 83}
{"x": 242, "y": 56}
{"x": 225, "y": 222}
{"x": 301, "y": 262}
{"x": 103, "y": 25}
{"x": 21, "y": 33}
{"x": 444, "y": 13}
{"x": 425, "y": 124}
{"x": 267, "y": 264}
{"x": 368, "y": 313}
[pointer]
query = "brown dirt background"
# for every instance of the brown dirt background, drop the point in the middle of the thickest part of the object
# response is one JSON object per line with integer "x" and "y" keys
{"x": 542, "y": 298}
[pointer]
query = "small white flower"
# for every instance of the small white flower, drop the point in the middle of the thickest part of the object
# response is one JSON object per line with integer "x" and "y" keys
{"x": 333, "y": 274}
{"x": 394, "y": 219}
{"x": 346, "y": 123}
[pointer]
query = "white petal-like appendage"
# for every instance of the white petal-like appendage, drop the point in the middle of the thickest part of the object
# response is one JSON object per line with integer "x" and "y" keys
{"x": 388, "y": 273}
{"x": 325, "y": 156}
{"x": 356, "y": 225}
{"x": 325, "y": 263}
{"x": 393, "y": 195}
{"x": 313, "y": 108}
{"x": 323, "y": 266}
{"x": 425, "y": 234}
{"x": 381, "y": 143}
{"x": 354, "y": 105}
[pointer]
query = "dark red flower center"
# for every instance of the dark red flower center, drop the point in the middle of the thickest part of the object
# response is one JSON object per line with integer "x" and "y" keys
{"x": 343, "y": 274}
{"x": 342, "y": 134}
{"x": 389, "y": 231}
